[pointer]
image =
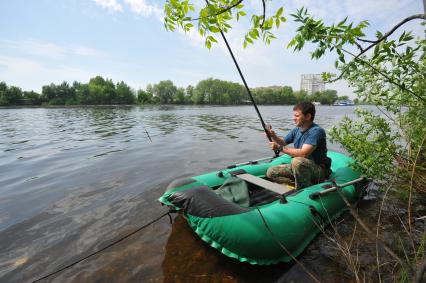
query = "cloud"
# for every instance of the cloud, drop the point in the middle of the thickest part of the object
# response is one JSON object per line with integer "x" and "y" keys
{"x": 49, "y": 49}
{"x": 35, "y": 47}
{"x": 111, "y": 5}
{"x": 30, "y": 74}
{"x": 139, "y": 7}
{"x": 87, "y": 51}
{"x": 142, "y": 7}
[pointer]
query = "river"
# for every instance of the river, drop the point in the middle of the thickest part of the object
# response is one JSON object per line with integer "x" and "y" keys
{"x": 74, "y": 179}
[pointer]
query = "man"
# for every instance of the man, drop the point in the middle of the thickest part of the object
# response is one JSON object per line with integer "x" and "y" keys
{"x": 310, "y": 164}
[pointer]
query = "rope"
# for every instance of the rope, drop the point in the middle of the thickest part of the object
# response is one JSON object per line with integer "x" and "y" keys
{"x": 104, "y": 248}
{"x": 284, "y": 248}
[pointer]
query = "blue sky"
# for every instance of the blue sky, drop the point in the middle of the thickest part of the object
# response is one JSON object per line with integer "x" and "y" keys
{"x": 50, "y": 41}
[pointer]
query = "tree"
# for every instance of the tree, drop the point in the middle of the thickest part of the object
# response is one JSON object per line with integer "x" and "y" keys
{"x": 58, "y": 94}
{"x": 390, "y": 77}
{"x": 124, "y": 94}
{"x": 101, "y": 91}
{"x": 82, "y": 94}
{"x": 189, "y": 93}
{"x": 32, "y": 98}
{"x": 144, "y": 97}
{"x": 10, "y": 95}
{"x": 214, "y": 91}
{"x": 165, "y": 91}
{"x": 179, "y": 96}
{"x": 326, "y": 97}
{"x": 216, "y": 16}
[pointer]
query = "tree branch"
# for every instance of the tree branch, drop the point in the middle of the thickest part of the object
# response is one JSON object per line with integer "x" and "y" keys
{"x": 383, "y": 74}
{"x": 264, "y": 13}
{"x": 359, "y": 46}
{"x": 224, "y": 10}
{"x": 418, "y": 16}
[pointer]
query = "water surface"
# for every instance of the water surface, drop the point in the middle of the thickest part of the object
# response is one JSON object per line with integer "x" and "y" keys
{"x": 74, "y": 179}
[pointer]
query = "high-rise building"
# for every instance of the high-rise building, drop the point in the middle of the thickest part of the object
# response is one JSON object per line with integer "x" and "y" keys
{"x": 312, "y": 83}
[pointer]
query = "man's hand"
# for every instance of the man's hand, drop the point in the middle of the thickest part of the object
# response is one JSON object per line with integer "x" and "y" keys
{"x": 273, "y": 135}
{"x": 271, "y": 132}
{"x": 274, "y": 145}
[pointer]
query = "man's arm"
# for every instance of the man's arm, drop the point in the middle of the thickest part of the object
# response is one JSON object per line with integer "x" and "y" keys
{"x": 305, "y": 151}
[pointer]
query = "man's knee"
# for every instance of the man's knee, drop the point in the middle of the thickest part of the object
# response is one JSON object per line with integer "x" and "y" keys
{"x": 298, "y": 161}
{"x": 279, "y": 171}
{"x": 270, "y": 172}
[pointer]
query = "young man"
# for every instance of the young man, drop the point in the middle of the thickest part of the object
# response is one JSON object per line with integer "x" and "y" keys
{"x": 310, "y": 164}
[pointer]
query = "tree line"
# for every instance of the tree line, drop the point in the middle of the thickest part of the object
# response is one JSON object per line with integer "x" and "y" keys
{"x": 100, "y": 91}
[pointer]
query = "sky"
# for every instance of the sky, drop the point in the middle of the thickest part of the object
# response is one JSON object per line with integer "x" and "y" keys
{"x": 50, "y": 41}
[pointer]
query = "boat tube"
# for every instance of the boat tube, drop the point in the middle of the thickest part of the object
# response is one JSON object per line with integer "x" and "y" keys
{"x": 246, "y": 217}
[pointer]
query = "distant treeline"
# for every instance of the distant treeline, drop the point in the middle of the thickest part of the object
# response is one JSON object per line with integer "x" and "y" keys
{"x": 100, "y": 91}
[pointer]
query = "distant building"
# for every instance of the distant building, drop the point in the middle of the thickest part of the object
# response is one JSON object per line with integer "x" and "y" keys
{"x": 312, "y": 83}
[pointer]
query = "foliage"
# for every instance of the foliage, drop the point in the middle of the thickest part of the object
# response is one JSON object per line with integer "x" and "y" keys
{"x": 165, "y": 91}
{"x": 327, "y": 97}
{"x": 209, "y": 91}
{"x": 144, "y": 97}
{"x": 11, "y": 95}
{"x": 216, "y": 16}
{"x": 369, "y": 140}
{"x": 31, "y": 98}
{"x": 391, "y": 77}
{"x": 214, "y": 91}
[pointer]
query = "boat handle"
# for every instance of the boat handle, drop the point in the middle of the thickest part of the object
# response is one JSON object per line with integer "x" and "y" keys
{"x": 335, "y": 187}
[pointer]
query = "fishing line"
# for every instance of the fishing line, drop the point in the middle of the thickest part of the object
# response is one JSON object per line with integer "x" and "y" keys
{"x": 246, "y": 86}
{"x": 104, "y": 248}
{"x": 147, "y": 134}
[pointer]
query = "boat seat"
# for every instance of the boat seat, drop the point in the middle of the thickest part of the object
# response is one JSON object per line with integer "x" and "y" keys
{"x": 274, "y": 187}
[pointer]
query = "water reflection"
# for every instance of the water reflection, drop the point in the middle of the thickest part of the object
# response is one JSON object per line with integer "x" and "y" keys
{"x": 72, "y": 178}
{"x": 188, "y": 258}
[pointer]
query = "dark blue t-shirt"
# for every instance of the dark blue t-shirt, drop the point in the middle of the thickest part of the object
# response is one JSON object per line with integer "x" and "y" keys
{"x": 315, "y": 136}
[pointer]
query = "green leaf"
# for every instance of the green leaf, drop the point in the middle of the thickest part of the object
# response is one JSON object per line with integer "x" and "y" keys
{"x": 279, "y": 12}
{"x": 212, "y": 39}
{"x": 214, "y": 29}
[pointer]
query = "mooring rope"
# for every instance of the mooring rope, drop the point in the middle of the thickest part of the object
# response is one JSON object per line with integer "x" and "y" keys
{"x": 104, "y": 248}
{"x": 275, "y": 238}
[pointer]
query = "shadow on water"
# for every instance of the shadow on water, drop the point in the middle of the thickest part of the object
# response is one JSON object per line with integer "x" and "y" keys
{"x": 189, "y": 259}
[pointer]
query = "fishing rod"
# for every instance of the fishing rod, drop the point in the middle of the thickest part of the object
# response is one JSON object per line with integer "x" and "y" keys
{"x": 147, "y": 134}
{"x": 277, "y": 152}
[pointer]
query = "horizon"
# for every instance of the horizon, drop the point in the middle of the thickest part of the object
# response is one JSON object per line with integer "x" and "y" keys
{"x": 124, "y": 40}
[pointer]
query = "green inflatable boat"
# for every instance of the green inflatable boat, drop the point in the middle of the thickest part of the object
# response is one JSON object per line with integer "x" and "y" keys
{"x": 246, "y": 217}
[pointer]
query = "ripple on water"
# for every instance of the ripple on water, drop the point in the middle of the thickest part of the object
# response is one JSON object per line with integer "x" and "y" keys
{"x": 73, "y": 179}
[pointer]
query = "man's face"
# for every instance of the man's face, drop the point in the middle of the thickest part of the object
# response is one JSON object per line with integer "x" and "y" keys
{"x": 299, "y": 119}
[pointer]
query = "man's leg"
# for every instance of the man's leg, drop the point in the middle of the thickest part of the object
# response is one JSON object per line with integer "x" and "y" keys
{"x": 306, "y": 172}
{"x": 282, "y": 174}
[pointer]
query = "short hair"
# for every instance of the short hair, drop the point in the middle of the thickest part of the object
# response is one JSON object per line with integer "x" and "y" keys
{"x": 306, "y": 108}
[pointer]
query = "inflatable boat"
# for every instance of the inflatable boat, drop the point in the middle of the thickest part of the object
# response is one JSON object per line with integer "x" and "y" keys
{"x": 244, "y": 216}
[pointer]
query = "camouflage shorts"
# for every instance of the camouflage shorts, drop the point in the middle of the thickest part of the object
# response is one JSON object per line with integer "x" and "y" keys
{"x": 301, "y": 173}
